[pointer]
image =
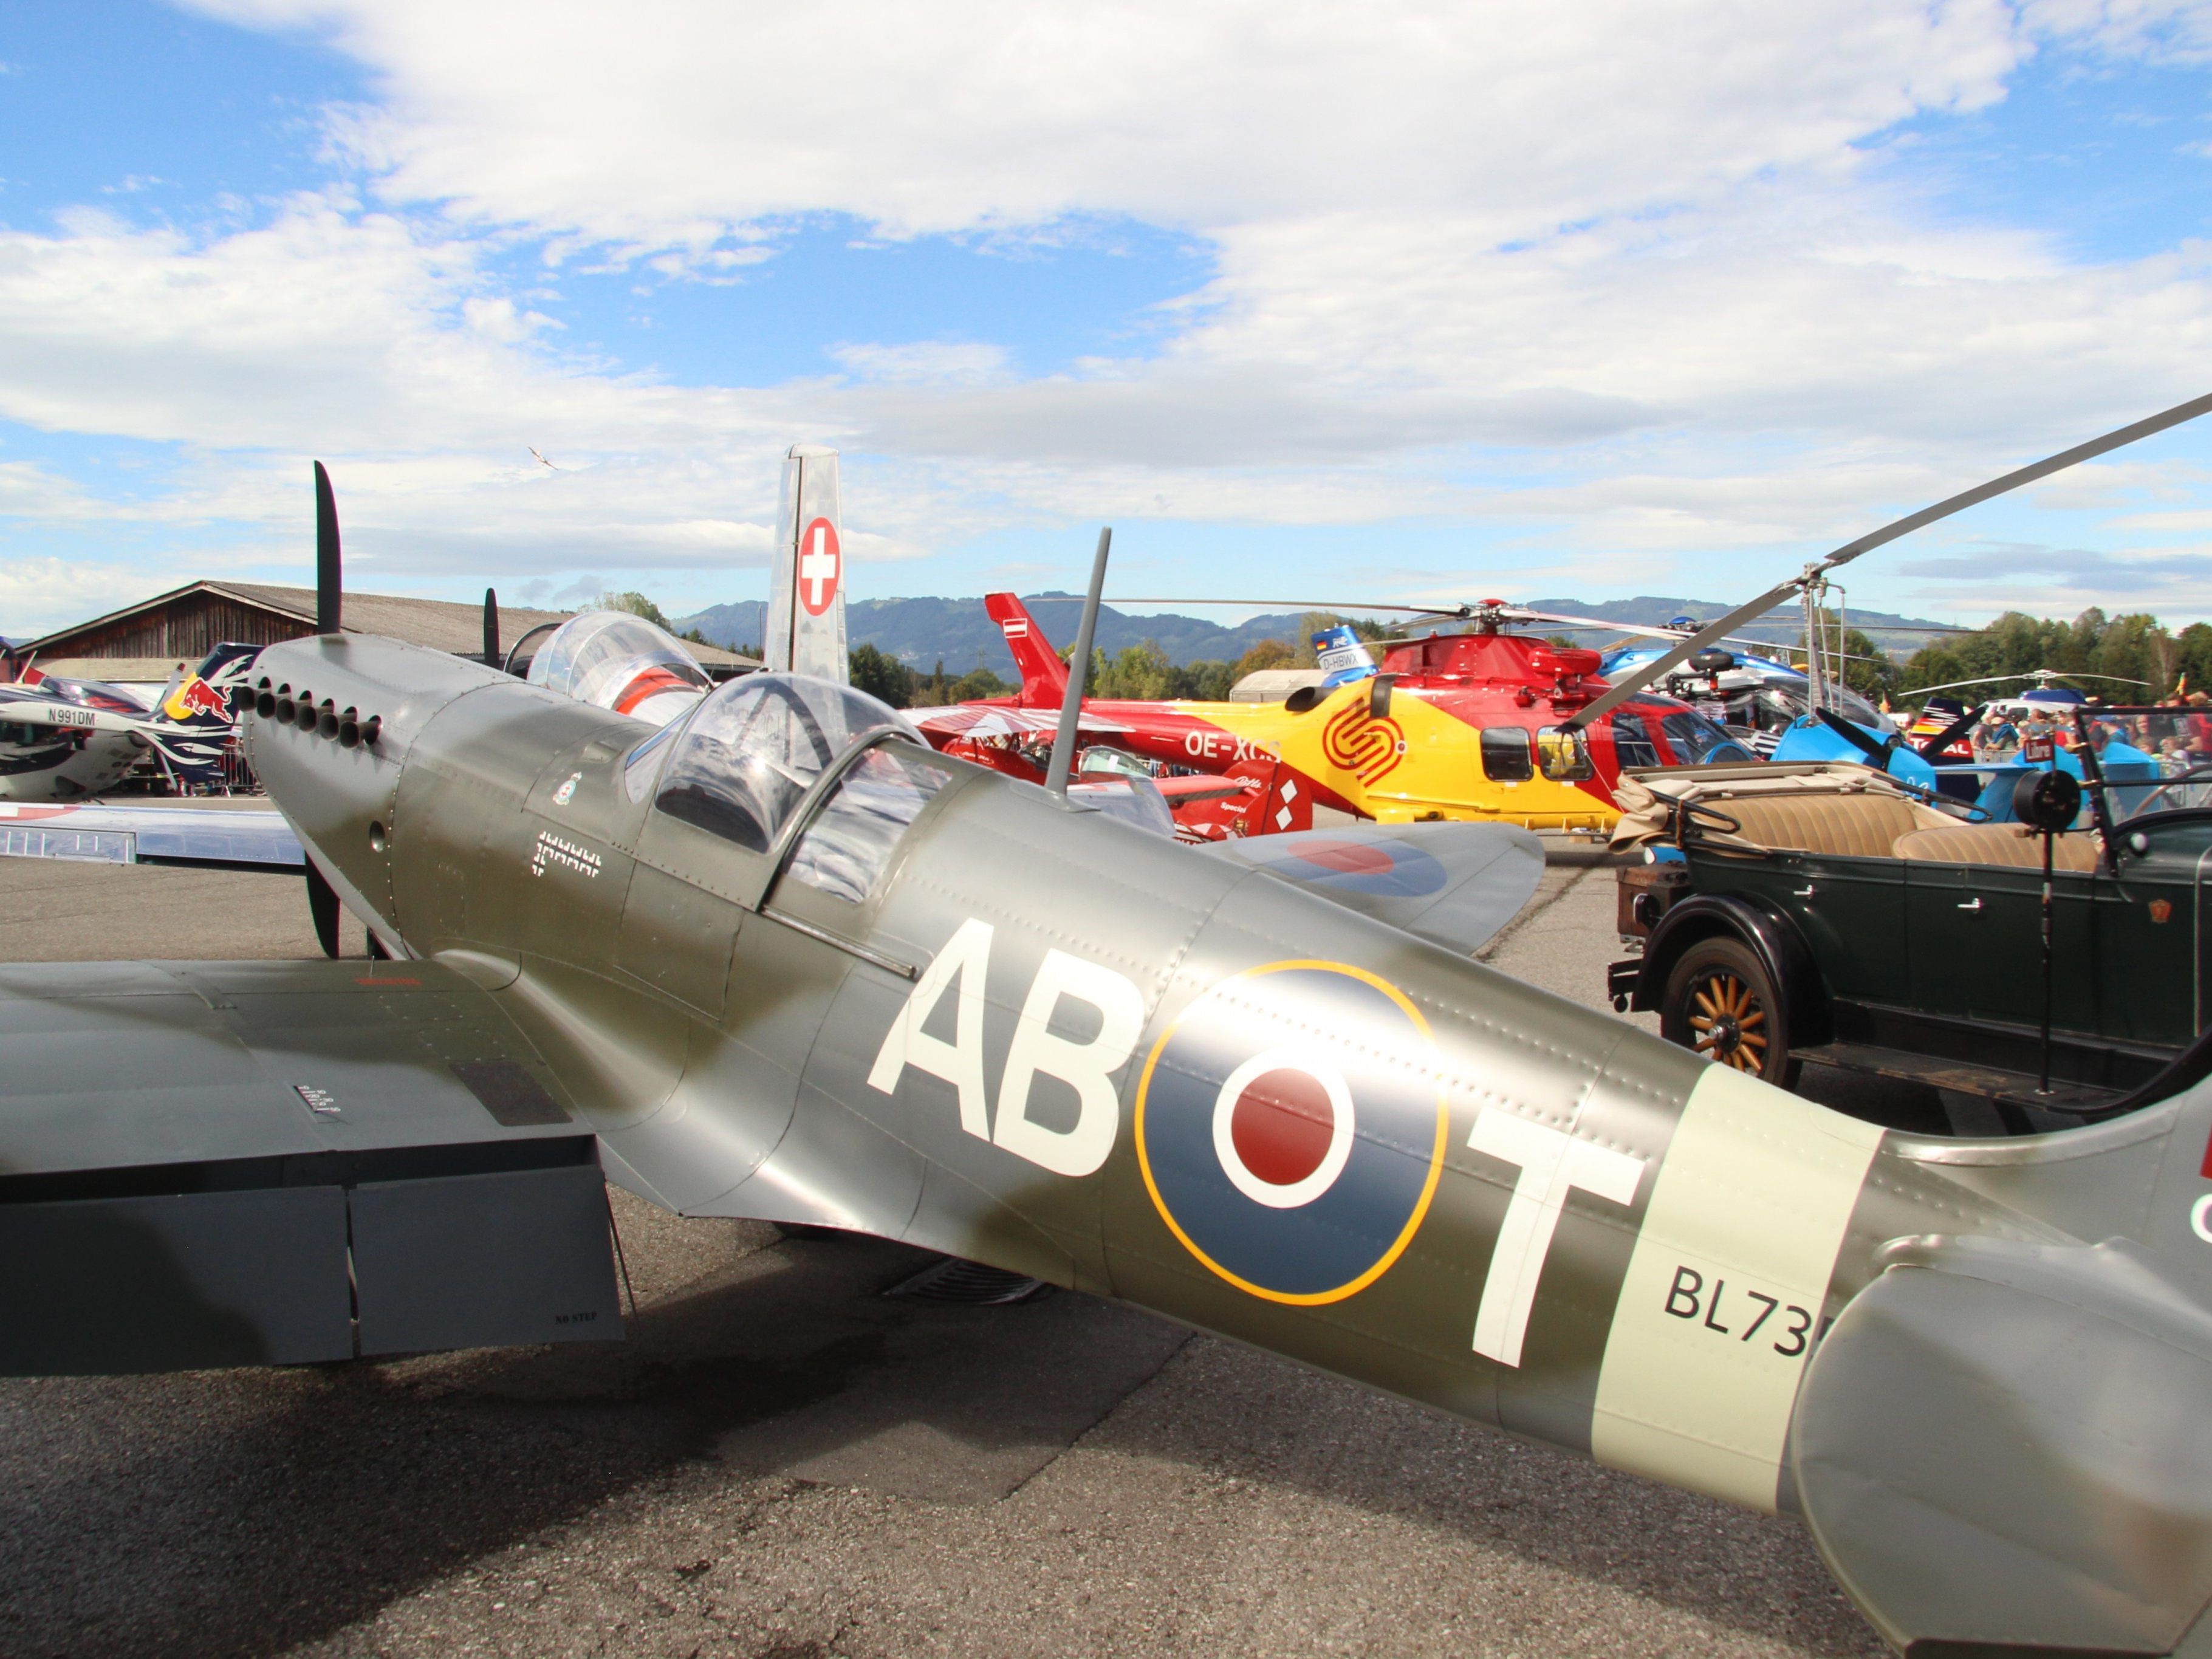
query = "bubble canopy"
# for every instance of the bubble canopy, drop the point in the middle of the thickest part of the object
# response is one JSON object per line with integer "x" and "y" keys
{"x": 739, "y": 765}
{"x": 622, "y": 662}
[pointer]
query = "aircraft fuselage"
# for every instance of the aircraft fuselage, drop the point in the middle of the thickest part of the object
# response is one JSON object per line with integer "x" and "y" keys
{"x": 1051, "y": 1043}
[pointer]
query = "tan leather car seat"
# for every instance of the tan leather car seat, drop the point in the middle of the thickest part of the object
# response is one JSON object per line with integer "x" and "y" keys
{"x": 1998, "y": 843}
{"x": 1856, "y": 826}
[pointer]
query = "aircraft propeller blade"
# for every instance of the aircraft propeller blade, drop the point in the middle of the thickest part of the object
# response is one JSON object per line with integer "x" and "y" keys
{"x": 330, "y": 585}
{"x": 1931, "y": 748}
{"x": 491, "y": 627}
{"x": 323, "y": 906}
{"x": 1875, "y": 753}
{"x": 1634, "y": 682}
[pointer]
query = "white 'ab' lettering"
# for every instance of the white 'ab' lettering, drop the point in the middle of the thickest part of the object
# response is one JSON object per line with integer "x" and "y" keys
{"x": 1084, "y": 1066}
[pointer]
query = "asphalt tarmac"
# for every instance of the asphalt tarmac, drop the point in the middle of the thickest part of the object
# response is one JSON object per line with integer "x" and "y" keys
{"x": 784, "y": 1463}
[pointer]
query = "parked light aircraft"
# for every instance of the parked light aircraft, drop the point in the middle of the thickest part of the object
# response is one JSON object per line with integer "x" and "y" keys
{"x": 779, "y": 959}
{"x": 63, "y": 739}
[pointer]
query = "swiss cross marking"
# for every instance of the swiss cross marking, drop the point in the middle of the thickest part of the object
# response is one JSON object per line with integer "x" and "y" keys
{"x": 820, "y": 562}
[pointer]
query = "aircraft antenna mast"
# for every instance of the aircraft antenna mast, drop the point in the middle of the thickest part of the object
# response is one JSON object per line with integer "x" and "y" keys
{"x": 1841, "y": 662}
{"x": 1816, "y": 689}
{"x": 1078, "y": 671}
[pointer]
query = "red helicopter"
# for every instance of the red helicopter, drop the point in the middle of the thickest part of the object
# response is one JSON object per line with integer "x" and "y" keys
{"x": 1450, "y": 726}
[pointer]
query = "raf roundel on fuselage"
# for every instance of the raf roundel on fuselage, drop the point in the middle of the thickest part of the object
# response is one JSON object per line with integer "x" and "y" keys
{"x": 1291, "y": 1129}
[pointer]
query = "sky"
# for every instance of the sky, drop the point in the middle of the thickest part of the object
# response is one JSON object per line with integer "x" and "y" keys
{"x": 1310, "y": 302}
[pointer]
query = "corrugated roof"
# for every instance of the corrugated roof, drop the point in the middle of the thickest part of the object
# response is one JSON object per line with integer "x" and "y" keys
{"x": 443, "y": 624}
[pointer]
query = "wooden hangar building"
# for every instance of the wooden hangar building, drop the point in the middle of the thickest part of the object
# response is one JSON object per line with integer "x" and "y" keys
{"x": 145, "y": 643}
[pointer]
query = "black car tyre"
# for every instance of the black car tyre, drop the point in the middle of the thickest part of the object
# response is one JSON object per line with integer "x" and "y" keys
{"x": 1721, "y": 1003}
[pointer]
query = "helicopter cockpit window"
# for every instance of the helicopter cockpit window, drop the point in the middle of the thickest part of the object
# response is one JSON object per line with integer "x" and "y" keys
{"x": 1699, "y": 741}
{"x": 1563, "y": 755}
{"x": 847, "y": 847}
{"x": 1631, "y": 741}
{"x": 748, "y": 752}
{"x": 1505, "y": 754}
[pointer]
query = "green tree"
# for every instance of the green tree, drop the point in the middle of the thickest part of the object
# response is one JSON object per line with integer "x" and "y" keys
{"x": 978, "y": 682}
{"x": 1140, "y": 673}
{"x": 930, "y": 691}
{"x": 1205, "y": 681}
{"x": 2134, "y": 647}
{"x": 636, "y": 603}
{"x": 2192, "y": 656}
{"x": 882, "y": 676}
{"x": 1268, "y": 653}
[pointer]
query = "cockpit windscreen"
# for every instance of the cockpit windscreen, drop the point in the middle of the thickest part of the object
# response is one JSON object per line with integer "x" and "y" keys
{"x": 751, "y": 750}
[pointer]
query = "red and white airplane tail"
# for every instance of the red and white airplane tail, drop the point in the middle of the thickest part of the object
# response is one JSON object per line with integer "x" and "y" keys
{"x": 806, "y": 631}
{"x": 1044, "y": 676}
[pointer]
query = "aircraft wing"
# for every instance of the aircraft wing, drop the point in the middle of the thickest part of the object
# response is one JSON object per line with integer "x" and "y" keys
{"x": 255, "y": 1162}
{"x": 1203, "y": 786}
{"x": 990, "y": 720}
{"x": 76, "y": 717}
{"x": 247, "y": 839}
{"x": 1454, "y": 884}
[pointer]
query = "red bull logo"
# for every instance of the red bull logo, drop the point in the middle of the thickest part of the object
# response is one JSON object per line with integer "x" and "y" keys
{"x": 195, "y": 697}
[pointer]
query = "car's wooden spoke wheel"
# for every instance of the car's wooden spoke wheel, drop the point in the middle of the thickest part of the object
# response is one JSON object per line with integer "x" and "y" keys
{"x": 1727, "y": 1022}
{"x": 1721, "y": 1002}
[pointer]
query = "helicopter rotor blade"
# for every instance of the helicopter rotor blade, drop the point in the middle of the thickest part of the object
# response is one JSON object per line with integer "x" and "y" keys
{"x": 1343, "y": 606}
{"x": 1952, "y": 685}
{"x": 1519, "y": 614}
{"x": 1765, "y": 602}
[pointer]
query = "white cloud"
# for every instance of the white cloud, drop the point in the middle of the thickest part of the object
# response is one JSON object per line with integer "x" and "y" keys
{"x": 963, "y": 362}
{"x": 654, "y": 123}
{"x": 1606, "y": 277}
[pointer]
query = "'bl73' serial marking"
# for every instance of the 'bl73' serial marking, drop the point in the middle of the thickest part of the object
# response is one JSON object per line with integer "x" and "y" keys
{"x": 1684, "y": 1302}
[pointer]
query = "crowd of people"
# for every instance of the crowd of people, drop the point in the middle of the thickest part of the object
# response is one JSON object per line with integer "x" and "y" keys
{"x": 2177, "y": 733}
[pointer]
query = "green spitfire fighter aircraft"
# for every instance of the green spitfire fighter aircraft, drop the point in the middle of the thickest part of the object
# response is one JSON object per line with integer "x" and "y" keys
{"x": 782, "y": 960}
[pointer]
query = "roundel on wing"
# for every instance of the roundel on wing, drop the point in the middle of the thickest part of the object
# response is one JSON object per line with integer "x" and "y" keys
{"x": 1291, "y": 1129}
{"x": 1386, "y": 868}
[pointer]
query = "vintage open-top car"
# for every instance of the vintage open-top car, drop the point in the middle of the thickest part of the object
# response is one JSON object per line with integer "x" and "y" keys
{"x": 1824, "y": 913}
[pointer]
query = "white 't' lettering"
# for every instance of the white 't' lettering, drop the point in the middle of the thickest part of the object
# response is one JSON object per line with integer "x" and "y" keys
{"x": 1550, "y": 1161}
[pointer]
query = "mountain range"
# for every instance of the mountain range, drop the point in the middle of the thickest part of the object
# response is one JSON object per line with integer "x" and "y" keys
{"x": 923, "y": 632}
